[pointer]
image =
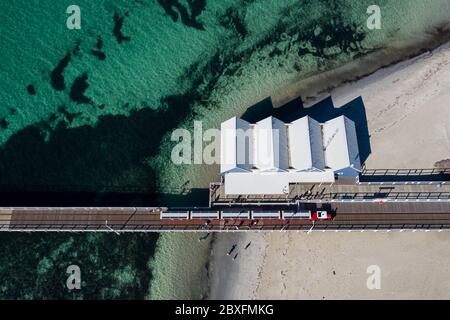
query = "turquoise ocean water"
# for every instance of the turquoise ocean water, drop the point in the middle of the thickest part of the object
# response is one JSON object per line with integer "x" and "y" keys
{"x": 91, "y": 111}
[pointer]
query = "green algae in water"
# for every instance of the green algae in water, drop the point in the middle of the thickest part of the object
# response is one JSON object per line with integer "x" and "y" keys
{"x": 33, "y": 266}
{"x": 290, "y": 46}
{"x": 229, "y": 55}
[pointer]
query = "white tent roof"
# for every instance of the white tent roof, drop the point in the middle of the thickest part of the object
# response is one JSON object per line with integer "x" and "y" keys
{"x": 341, "y": 145}
{"x": 305, "y": 145}
{"x": 270, "y": 145}
{"x": 235, "y": 146}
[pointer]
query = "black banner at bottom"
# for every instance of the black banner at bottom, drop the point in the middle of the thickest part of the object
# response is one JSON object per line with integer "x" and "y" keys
{"x": 239, "y": 309}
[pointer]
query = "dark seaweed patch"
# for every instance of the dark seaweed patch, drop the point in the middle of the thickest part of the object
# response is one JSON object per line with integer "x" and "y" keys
{"x": 91, "y": 159}
{"x": 57, "y": 78}
{"x": 65, "y": 114}
{"x": 4, "y": 123}
{"x": 32, "y": 265}
{"x": 335, "y": 37}
{"x": 196, "y": 7}
{"x": 118, "y": 144}
{"x": 78, "y": 88}
{"x": 52, "y": 118}
{"x": 31, "y": 90}
{"x": 77, "y": 49}
{"x": 117, "y": 30}
{"x": 234, "y": 19}
{"x": 99, "y": 54}
{"x": 167, "y": 6}
{"x": 99, "y": 43}
{"x": 188, "y": 17}
{"x": 325, "y": 39}
{"x": 336, "y": 34}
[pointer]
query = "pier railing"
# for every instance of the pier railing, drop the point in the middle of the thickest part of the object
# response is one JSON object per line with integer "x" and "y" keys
{"x": 405, "y": 172}
{"x": 216, "y": 228}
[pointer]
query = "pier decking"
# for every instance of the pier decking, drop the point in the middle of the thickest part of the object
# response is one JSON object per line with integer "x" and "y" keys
{"x": 401, "y": 191}
{"x": 348, "y": 216}
{"x": 403, "y": 203}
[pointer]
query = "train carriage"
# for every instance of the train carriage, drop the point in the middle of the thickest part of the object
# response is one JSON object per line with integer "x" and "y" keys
{"x": 243, "y": 214}
{"x": 266, "y": 214}
{"x": 294, "y": 214}
{"x": 204, "y": 214}
{"x": 235, "y": 214}
{"x": 174, "y": 215}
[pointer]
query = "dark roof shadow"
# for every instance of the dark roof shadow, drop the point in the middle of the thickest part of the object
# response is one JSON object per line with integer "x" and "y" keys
{"x": 258, "y": 111}
{"x": 322, "y": 111}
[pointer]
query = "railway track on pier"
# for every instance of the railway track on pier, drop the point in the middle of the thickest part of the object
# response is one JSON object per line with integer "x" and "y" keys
{"x": 348, "y": 217}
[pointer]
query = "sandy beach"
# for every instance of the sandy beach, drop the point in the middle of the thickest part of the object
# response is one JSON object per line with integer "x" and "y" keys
{"x": 407, "y": 108}
{"x": 291, "y": 265}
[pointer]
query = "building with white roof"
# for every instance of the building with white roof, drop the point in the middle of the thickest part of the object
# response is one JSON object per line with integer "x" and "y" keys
{"x": 340, "y": 146}
{"x": 266, "y": 157}
{"x": 270, "y": 145}
{"x": 236, "y": 146}
{"x": 305, "y": 145}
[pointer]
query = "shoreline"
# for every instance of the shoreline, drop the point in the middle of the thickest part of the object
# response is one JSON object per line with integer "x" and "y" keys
{"x": 398, "y": 105}
{"x": 352, "y": 71}
{"x": 317, "y": 87}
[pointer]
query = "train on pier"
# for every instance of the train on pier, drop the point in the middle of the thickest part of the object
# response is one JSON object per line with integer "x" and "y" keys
{"x": 236, "y": 214}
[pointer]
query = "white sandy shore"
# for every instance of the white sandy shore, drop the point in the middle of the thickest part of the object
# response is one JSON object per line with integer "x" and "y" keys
{"x": 290, "y": 265}
{"x": 407, "y": 108}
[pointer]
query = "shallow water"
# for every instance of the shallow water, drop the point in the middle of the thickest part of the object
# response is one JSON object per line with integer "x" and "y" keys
{"x": 114, "y": 134}
{"x": 33, "y": 266}
{"x": 180, "y": 276}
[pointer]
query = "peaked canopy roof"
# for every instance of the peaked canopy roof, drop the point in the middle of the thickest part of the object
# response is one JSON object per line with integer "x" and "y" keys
{"x": 305, "y": 145}
{"x": 341, "y": 145}
{"x": 236, "y": 146}
{"x": 270, "y": 148}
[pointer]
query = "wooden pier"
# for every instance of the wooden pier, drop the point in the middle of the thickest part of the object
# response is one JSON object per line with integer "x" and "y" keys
{"x": 401, "y": 191}
{"x": 348, "y": 216}
{"x": 399, "y": 204}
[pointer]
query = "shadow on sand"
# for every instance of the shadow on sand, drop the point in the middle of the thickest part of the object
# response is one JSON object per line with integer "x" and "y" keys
{"x": 322, "y": 111}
